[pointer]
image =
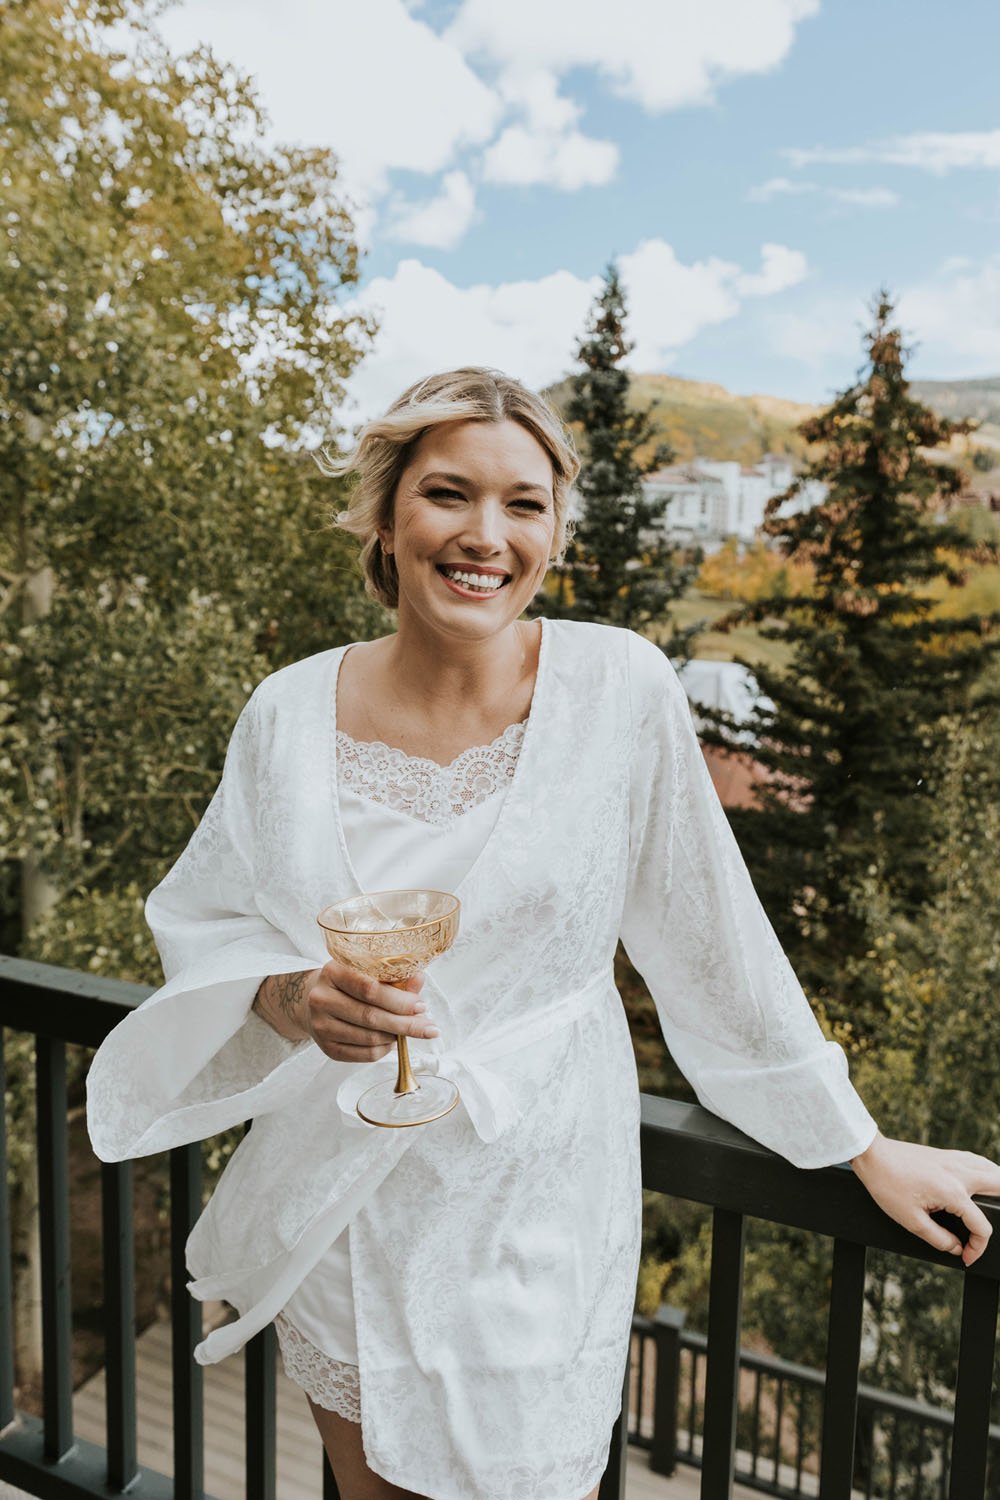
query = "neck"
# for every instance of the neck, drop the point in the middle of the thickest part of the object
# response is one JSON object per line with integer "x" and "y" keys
{"x": 438, "y": 671}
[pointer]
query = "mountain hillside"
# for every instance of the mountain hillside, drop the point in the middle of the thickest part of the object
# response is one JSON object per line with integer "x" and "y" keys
{"x": 978, "y": 399}
{"x": 699, "y": 419}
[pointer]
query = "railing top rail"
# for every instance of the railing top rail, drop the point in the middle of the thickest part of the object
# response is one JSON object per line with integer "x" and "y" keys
{"x": 790, "y": 1370}
{"x": 689, "y": 1153}
{"x": 686, "y": 1151}
{"x": 66, "y": 1003}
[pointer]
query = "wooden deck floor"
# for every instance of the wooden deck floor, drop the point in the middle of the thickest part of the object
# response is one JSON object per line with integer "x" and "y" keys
{"x": 298, "y": 1445}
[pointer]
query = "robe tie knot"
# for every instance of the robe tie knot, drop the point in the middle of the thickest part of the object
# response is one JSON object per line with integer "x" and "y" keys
{"x": 485, "y": 1096}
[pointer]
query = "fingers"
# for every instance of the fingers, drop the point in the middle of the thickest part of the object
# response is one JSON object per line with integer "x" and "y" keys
{"x": 388, "y": 997}
{"x": 935, "y": 1234}
{"x": 979, "y": 1228}
{"x": 972, "y": 1217}
{"x": 354, "y": 1018}
{"x": 982, "y": 1175}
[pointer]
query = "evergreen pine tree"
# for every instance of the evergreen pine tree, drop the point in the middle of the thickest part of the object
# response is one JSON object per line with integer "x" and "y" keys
{"x": 619, "y": 568}
{"x": 855, "y": 740}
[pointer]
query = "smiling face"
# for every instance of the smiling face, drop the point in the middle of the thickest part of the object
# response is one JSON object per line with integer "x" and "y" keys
{"x": 473, "y": 526}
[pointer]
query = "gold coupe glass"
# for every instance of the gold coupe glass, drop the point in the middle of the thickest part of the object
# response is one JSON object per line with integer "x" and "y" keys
{"x": 390, "y": 935}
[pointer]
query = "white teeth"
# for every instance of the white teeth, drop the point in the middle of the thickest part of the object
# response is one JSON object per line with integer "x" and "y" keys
{"x": 491, "y": 581}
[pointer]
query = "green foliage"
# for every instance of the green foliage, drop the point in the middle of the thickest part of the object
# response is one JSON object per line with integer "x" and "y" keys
{"x": 931, "y": 1074}
{"x": 856, "y": 738}
{"x": 619, "y": 570}
{"x": 169, "y": 344}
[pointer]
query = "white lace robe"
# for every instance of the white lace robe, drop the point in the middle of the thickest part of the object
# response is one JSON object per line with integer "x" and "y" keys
{"x": 493, "y": 1253}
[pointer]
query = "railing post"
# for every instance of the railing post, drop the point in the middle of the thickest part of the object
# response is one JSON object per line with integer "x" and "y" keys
{"x": 53, "y": 1233}
{"x": 722, "y": 1373}
{"x": 612, "y": 1485}
{"x": 843, "y": 1357}
{"x": 186, "y": 1321}
{"x": 117, "y": 1215}
{"x": 971, "y": 1436}
{"x": 6, "y": 1289}
{"x": 667, "y": 1326}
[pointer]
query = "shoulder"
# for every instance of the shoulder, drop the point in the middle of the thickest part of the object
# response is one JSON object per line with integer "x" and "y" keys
{"x": 298, "y": 682}
{"x": 649, "y": 666}
{"x": 584, "y": 639}
{"x": 289, "y": 695}
{"x": 655, "y": 689}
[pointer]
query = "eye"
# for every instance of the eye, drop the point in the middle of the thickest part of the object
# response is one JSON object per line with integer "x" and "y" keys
{"x": 535, "y": 505}
{"x": 439, "y": 493}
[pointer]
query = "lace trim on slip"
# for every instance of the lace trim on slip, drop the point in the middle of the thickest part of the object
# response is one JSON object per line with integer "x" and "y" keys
{"x": 420, "y": 787}
{"x": 330, "y": 1384}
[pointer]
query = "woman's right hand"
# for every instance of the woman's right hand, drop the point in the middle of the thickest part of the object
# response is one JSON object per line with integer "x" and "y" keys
{"x": 350, "y": 1016}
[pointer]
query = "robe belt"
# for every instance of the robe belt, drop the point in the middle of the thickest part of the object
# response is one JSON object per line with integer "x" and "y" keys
{"x": 263, "y": 1291}
{"x": 488, "y": 1101}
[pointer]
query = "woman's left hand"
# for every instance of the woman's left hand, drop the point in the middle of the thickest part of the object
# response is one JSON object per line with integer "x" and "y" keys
{"x": 910, "y": 1182}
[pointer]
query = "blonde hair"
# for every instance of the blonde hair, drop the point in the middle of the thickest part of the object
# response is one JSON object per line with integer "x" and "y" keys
{"x": 385, "y": 445}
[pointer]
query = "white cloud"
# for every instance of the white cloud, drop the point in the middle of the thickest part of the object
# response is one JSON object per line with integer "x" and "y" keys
{"x": 954, "y": 318}
{"x": 441, "y": 221}
{"x": 777, "y": 187}
{"x": 936, "y": 151}
{"x": 531, "y": 328}
{"x": 370, "y": 80}
{"x": 660, "y": 53}
{"x": 535, "y": 92}
{"x": 780, "y": 268}
{"x": 825, "y": 339}
{"x": 950, "y": 319}
{"x": 567, "y": 160}
{"x": 427, "y": 323}
{"x": 873, "y": 197}
{"x": 544, "y": 145}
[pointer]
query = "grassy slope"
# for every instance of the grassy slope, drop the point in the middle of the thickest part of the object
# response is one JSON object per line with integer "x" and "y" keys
{"x": 702, "y": 420}
{"x": 742, "y": 641}
{"x": 698, "y": 418}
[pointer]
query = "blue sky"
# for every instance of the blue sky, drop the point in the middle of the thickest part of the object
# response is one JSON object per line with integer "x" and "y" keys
{"x": 759, "y": 167}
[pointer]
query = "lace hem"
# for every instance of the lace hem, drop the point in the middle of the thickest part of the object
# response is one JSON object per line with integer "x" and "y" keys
{"x": 330, "y": 1384}
{"x": 422, "y": 788}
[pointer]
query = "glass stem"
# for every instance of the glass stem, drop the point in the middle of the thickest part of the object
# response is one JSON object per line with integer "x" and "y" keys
{"x": 405, "y": 1081}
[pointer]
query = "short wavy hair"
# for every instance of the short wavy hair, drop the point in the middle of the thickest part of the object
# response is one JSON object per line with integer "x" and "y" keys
{"x": 385, "y": 445}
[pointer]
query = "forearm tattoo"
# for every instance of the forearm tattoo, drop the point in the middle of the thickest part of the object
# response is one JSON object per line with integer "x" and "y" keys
{"x": 279, "y": 995}
{"x": 288, "y": 991}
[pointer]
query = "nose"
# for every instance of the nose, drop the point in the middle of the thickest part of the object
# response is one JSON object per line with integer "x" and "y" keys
{"x": 484, "y": 532}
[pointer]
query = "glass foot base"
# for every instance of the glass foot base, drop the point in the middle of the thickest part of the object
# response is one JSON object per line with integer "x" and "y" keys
{"x": 433, "y": 1097}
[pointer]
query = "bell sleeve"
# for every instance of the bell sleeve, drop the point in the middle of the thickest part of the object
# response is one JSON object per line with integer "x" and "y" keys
{"x": 194, "y": 1058}
{"x": 732, "y": 1012}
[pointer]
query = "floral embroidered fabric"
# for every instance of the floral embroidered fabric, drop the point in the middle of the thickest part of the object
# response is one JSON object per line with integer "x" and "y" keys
{"x": 609, "y": 829}
{"x": 330, "y": 1383}
{"x": 421, "y": 788}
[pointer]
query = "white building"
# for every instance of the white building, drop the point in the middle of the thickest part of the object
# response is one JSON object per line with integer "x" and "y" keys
{"x": 710, "y": 500}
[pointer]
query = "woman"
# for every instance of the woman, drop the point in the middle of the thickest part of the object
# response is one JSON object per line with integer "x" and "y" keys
{"x": 455, "y": 1299}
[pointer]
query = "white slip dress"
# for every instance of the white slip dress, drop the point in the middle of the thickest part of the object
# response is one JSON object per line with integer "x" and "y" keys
{"x": 408, "y": 822}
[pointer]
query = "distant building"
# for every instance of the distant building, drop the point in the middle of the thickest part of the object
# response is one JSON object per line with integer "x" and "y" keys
{"x": 710, "y": 500}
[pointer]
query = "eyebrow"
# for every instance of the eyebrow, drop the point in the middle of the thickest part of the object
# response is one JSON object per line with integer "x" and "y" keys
{"x": 523, "y": 486}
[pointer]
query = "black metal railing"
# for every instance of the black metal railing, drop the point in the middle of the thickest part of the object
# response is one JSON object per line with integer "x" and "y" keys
{"x": 686, "y": 1153}
{"x": 903, "y": 1446}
